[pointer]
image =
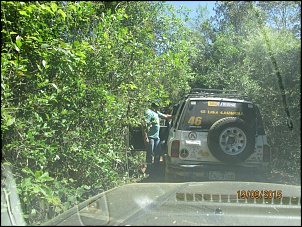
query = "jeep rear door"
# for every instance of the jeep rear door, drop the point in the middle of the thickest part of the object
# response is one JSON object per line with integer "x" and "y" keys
{"x": 202, "y": 114}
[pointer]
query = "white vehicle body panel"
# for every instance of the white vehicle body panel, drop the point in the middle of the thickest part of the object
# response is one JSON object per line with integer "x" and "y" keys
{"x": 198, "y": 149}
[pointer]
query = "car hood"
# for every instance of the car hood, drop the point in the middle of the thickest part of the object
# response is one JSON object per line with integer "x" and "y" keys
{"x": 194, "y": 203}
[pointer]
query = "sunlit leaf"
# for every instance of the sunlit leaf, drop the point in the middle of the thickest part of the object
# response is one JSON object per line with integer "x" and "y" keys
{"x": 16, "y": 48}
{"x": 10, "y": 121}
{"x": 106, "y": 36}
{"x": 23, "y": 13}
{"x": 55, "y": 86}
{"x": 62, "y": 13}
{"x": 44, "y": 45}
{"x": 48, "y": 9}
{"x": 54, "y": 6}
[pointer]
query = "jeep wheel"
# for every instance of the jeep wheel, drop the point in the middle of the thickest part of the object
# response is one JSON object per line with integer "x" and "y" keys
{"x": 231, "y": 140}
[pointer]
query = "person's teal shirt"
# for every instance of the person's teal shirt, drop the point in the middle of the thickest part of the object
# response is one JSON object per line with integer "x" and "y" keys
{"x": 152, "y": 120}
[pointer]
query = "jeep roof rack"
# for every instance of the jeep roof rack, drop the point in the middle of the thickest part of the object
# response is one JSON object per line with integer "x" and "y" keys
{"x": 203, "y": 92}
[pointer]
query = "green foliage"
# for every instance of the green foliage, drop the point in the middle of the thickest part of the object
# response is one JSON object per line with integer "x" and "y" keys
{"x": 239, "y": 57}
{"x": 74, "y": 76}
{"x": 267, "y": 92}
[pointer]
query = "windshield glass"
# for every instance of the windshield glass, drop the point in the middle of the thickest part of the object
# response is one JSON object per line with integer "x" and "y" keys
{"x": 203, "y": 114}
{"x": 160, "y": 109}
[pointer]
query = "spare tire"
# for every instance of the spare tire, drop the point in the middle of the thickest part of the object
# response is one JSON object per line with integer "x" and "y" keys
{"x": 231, "y": 140}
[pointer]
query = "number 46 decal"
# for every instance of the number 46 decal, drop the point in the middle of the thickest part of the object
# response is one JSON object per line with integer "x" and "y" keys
{"x": 195, "y": 120}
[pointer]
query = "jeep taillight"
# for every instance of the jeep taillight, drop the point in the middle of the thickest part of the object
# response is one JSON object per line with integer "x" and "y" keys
{"x": 266, "y": 153}
{"x": 175, "y": 148}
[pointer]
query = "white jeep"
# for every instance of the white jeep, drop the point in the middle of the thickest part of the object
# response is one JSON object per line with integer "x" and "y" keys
{"x": 216, "y": 136}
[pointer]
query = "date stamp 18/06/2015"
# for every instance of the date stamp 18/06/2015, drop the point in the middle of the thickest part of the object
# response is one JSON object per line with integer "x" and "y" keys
{"x": 259, "y": 194}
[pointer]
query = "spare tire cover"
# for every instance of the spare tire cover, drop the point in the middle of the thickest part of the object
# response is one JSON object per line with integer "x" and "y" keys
{"x": 231, "y": 140}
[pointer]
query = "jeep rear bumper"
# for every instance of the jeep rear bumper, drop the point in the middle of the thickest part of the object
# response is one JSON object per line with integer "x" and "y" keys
{"x": 212, "y": 172}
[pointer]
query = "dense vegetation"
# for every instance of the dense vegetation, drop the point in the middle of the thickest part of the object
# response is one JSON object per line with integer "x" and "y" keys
{"x": 76, "y": 75}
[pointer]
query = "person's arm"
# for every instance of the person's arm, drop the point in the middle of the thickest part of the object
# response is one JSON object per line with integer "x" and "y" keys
{"x": 145, "y": 135}
{"x": 144, "y": 127}
{"x": 167, "y": 116}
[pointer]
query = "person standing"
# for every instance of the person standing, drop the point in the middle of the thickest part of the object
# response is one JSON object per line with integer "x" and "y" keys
{"x": 150, "y": 131}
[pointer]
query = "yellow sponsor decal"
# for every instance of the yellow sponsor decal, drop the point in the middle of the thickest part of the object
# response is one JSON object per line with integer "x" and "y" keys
{"x": 203, "y": 111}
{"x": 213, "y": 112}
{"x": 225, "y": 112}
{"x": 211, "y": 103}
{"x": 231, "y": 113}
{"x": 206, "y": 154}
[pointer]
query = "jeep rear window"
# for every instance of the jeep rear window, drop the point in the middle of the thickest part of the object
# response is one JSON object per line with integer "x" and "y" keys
{"x": 202, "y": 114}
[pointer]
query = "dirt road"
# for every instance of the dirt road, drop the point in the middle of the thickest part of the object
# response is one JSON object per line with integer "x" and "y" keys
{"x": 158, "y": 175}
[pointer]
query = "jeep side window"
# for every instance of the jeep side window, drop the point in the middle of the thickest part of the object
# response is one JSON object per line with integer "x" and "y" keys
{"x": 174, "y": 112}
{"x": 194, "y": 116}
{"x": 178, "y": 114}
